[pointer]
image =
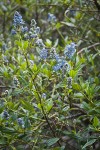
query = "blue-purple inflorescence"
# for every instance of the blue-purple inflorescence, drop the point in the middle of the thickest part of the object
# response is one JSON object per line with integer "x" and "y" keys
{"x": 44, "y": 53}
{"x": 70, "y": 50}
{"x": 37, "y": 30}
{"x": 19, "y": 24}
{"x": 24, "y": 29}
{"x": 5, "y": 114}
{"x": 51, "y": 17}
{"x": 13, "y": 32}
{"x": 44, "y": 96}
{"x": 33, "y": 33}
{"x": 18, "y": 19}
{"x": 61, "y": 62}
{"x": 40, "y": 43}
{"x": 59, "y": 65}
{"x": 20, "y": 121}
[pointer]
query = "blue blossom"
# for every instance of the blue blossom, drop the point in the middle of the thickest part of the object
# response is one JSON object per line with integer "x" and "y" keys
{"x": 59, "y": 65}
{"x": 70, "y": 50}
{"x": 24, "y": 29}
{"x": 56, "y": 56}
{"x": 37, "y": 30}
{"x": 26, "y": 36}
{"x": 44, "y": 96}
{"x": 51, "y": 17}
{"x": 33, "y": 36}
{"x": 39, "y": 42}
{"x": 4, "y": 47}
{"x": 44, "y": 53}
{"x": 18, "y": 19}
{"x": 5, "y": 114}
{"x": 73, "y": 12}
{"x": 20, "y": 121}
{"x": 5, "y": 58}
{"x": 13, "y": 32}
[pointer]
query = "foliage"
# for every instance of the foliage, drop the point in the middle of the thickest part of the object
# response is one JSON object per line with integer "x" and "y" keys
{"x": 49, "y": 75}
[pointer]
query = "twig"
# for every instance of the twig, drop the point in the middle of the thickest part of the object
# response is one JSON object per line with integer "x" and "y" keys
{"x": 74, "y": 116}
{"x": 82, "y": 10}
{"x": 7, "y": 87}
{"x": 80, "y": 51}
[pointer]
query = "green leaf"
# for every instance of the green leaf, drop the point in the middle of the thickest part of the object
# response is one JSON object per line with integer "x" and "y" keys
{"x": 52, "y": 141}
{"x": 68, "y": 24}
{"x": 20, "y": 147}
{"x": 25, "y": 44}
{"x": 49, "y": 104}
{"x": 56, "y": 43}
{"x": 18, "y": 43}
{"x": 7, "y": 130}
{"x": 89, "y": 143}
{"x": 58, "y": 25}
{"x": 2, "y": 141}
{"x": 27, "y": 123}
{"x": 46, "y": 72}
{"x": 22, "y": 44}
{"x": 34, "y": 68}
{"x": 48, "y": 43}
{"x": 12, "y": 147}
{"x": 95, "y": 121}
{"x": 73, "y": 73}
{"x": 39, "y": 106}
{"x": 27, "y": 105}
{"x": 76, "y": 86}
{"x": 78, "y": 95}
{"x": 85, "y": 106}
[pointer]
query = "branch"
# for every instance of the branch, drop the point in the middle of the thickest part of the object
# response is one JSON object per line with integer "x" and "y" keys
{"x": 74, "y": 116}
{"x": 43, "y": 111}
{"x": 80, "y": 51}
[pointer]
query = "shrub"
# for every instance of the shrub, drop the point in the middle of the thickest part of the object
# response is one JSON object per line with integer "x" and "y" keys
{"x": 49, "y": 92}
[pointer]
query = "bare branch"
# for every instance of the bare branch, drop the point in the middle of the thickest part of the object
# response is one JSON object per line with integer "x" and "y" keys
{"x": 80, "y": 51}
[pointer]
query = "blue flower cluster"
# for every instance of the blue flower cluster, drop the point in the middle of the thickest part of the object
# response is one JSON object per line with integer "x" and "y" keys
{"x": 70, "y": 50}
{"x": 5, "y": 114}
{"x": 18, "y": 24}
{"x": 43, "y": 53}
{"x": 24, "y": 29}
{"x": 61, "y": 63}
{"x": 58, "y": 66}
{"x": 40, "y": 43}
{"x": 33, "y": 33}
{"x": 34, "y": 30}
{"x": 44, "y": 96}
{"x": 20, "y": 122}
{"x": 4, "y": 47}
{"x": 51, "y": 17}
{"x": 18, "y": 19}
{"x": 13, "y": 32}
